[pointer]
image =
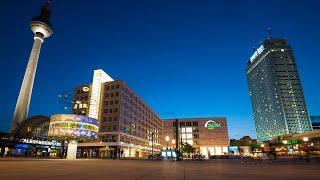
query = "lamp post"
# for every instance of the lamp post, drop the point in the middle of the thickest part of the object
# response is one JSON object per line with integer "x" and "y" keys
{"x": 167, "y": 140}
{"x": 305, "y": 140}
{"x": 262, "y": 149}
{"x": 173, "y": 141}
{"x": 152, "y": 136}
{"x": 285, "y": 142}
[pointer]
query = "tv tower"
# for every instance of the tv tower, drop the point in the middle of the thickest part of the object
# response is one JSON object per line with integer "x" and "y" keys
{"x": 41, "y": 27}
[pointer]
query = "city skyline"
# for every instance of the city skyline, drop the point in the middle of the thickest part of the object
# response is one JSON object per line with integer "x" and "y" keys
{"x": 163, "y": 54}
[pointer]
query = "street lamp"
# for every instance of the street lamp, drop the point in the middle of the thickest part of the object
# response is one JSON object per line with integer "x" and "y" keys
{"x": 306, "y": 139}
{"x": 152, "y": 138}
{"x": 262, "y": 149}
{"x": 173, "y": 141}
{"x": 167, "y": 140}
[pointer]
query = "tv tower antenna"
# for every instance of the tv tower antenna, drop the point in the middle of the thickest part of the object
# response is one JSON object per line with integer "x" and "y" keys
{"x": 269, "y": 33}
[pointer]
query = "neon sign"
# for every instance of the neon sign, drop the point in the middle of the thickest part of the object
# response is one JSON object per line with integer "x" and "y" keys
{"x": 256, "y": 53}
{"x": 292, "y": 142}
{"x": 34, "y": 141}
{"x": 212, "y": 124}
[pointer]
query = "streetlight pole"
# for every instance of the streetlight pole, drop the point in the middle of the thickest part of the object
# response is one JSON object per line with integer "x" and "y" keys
{"x": 262, "y": 149}
{"x": 305, "y": 140}
{"x": 167, "y": 140}
{"x": 152, "y": 134}
{"x": 177, "y": 134}
{"x": 173, "y": 141}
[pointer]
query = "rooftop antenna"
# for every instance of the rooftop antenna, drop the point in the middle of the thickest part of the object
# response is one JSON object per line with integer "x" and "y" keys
{"x": 269, "y": 33}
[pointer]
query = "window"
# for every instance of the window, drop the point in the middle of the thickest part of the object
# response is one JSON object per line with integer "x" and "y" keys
{"x": 195, "y": 123}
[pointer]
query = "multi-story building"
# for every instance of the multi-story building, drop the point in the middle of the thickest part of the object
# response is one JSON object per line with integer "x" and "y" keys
{"x": 208, "y": 135}
{"x": 315, "y": 120}
{"x": 127, "y": 125}
{"x": 277, "y": 98}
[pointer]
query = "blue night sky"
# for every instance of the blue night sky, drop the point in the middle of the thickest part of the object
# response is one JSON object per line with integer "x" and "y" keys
{"x": 184, "y": 58}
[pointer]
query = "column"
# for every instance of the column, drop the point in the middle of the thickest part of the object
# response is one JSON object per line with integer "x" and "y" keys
{"x": 22, "y": 106}
{"x": 72, "y": 150}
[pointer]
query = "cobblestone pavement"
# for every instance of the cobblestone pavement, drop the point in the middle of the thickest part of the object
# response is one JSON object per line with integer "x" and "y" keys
{"x": 11, "y": 169}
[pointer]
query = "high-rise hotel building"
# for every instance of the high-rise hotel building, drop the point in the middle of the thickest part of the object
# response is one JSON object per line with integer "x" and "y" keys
{"x": 277, "y": 98}
{"x": 127, "y": 125}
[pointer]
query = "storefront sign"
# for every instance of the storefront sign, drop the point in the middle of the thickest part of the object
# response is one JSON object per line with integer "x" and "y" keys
{"x": 292, "y": 142}
{"x": 212, "y": 124}
{"x": 47, "y": 143}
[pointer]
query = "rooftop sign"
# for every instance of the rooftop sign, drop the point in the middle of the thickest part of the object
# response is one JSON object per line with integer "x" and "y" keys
{"x": 256, "y": 53}
{"x": 210, "y": 124}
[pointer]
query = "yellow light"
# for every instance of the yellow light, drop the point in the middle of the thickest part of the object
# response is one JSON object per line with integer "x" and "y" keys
{"x": 262, "y": 145}
{"x": 305, "y": 139}
{"x": 173, "y": 141}
{"x": 167, "y": 138}
{"x": 285, "y": 142}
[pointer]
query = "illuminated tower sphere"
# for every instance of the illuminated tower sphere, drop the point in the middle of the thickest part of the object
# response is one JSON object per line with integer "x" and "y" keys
{"x": 42, "y": 29}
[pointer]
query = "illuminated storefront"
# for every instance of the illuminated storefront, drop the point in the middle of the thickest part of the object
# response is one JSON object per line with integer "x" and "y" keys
{"x": 31, "y": 140}
{"x": 22, "y": 147}
{"x": 208, "y": 135}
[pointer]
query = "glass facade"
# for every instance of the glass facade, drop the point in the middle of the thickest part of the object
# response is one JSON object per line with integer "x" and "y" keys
{"x": 276, "y": 93}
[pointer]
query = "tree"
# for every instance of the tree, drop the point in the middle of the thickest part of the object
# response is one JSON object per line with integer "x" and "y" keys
{"x": 254, "y": 146}
{"x": 187, "y": 148}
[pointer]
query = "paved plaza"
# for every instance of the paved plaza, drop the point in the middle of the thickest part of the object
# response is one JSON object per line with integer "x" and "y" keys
{"x": 144, "y": 169}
